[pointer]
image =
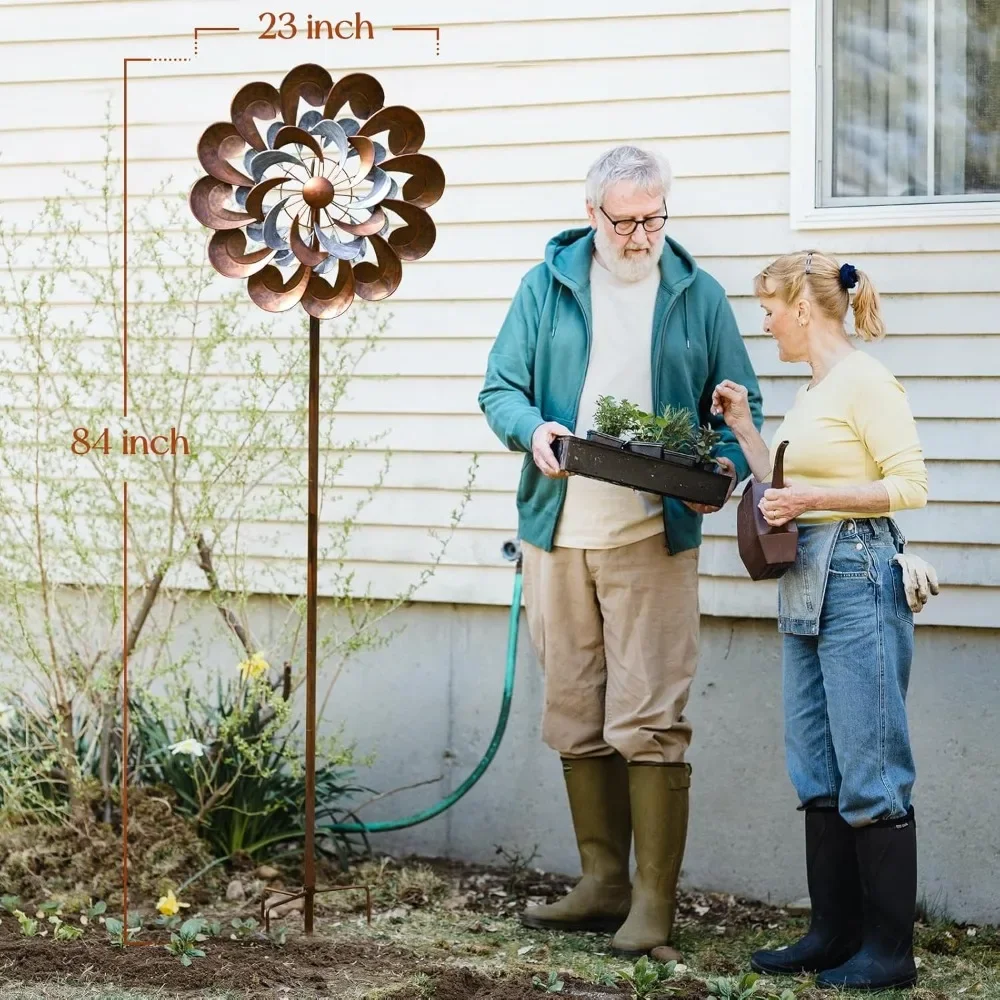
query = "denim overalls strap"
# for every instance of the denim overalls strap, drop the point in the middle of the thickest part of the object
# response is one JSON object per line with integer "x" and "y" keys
{"x": 802, "y": 588}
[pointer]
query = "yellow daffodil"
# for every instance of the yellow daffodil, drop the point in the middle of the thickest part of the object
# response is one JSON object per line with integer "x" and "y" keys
{"x": 254, "y": 667}
{"x": 169, "y": 905}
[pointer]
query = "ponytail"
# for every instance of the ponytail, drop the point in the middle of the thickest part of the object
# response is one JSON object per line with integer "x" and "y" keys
{"x": 868, "y": 322}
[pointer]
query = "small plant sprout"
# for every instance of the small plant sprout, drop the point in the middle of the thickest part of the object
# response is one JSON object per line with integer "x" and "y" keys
{"x": 741, "y": 988}
{"x": 243, "y": 929}
{"x": 551, "y": 985}
{"x": 29, "y": 925}
{"x": 92, "y": 911}
{"x": 116, "y": 929}
{"x": 184, "y": 942}
{"x": 646, "y": 978}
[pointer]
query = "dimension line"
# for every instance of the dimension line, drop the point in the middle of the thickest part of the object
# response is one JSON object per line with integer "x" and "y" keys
{"x": 435, "y": 29}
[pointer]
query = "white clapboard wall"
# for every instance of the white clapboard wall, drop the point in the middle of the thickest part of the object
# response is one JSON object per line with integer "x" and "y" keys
{"x": 521, "y": 99}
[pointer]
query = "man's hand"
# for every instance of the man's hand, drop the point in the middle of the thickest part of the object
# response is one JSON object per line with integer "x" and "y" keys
{"x": 730, "y": 470}
{"x": 919, "y": 579}
{"x": 784, "y": 505}
{"x": 541, "y": 449}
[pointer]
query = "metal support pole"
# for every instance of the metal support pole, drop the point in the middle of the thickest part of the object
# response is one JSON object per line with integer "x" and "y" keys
{"x": 311, "y": 587}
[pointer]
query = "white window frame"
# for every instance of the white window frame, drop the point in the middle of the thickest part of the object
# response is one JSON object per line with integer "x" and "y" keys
{"x": 806, "y": 150}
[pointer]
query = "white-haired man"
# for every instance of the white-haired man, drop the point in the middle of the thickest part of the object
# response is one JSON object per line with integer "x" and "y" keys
{"x": 611, "y": 575}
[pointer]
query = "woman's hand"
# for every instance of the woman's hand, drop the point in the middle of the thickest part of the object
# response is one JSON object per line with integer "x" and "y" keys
{"x": 784, "y": 505}
{"x": 730, "y": 400}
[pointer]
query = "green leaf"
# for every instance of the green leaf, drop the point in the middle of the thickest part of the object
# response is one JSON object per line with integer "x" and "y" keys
{"x": 192, "y": 926}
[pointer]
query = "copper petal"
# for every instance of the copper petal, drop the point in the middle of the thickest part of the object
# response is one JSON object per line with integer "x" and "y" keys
{"x": 363, "y": 91}
{"x": 310, "y": 82}
{"x": 366, "y": 154}
{"x": 267, "y": 288}
{"x": 217, "y": 144}
{"x": 303, "y": 250}
{"x": 226, "y": 251}
{"x": 414, "y": 240}
{"x": 325, "y": 301}
{"x": 372, "y": 225}
{"x": 292, "y": 133}
{"x": 406, "y": 130}
{"x": 208, "y": 201}
{"x": 378, "y": 281}
{"x": 255, "y": 100}
{"x": 255, "y": 199}
{"x": 426, "y": 184}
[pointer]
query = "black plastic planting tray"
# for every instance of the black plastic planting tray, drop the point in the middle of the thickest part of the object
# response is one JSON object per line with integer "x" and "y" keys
{"x": 642, "y": 465}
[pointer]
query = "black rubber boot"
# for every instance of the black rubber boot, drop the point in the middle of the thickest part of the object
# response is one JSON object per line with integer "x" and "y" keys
{"x": 834, "y": 933}
{"x": 887, "y": 862}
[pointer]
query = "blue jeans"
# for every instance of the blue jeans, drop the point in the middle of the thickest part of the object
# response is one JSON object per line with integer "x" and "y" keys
{"x": 846, "y": 736}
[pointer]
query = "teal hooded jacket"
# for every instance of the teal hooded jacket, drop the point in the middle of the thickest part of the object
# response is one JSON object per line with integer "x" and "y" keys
{"x": 537, "y": 365}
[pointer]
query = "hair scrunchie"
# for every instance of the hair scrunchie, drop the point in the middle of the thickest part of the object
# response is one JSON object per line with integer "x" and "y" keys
{"x": 848, "y": 276}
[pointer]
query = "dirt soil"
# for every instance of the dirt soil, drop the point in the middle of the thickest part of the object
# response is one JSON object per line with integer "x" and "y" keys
{"x": 257, "y": 969}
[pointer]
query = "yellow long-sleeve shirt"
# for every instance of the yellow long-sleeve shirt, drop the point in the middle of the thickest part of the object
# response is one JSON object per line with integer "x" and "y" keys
{"x": 854, "y": 427}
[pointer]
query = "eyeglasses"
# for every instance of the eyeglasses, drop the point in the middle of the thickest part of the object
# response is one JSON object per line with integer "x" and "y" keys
{"x": 626, "y": 227}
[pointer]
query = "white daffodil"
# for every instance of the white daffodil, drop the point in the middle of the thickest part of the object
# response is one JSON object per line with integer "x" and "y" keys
{"x": 189, "y": 746}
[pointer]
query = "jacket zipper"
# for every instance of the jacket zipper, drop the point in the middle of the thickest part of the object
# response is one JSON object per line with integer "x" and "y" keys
{"x": 576, "y": 409}
{"x": 656, "y": 401}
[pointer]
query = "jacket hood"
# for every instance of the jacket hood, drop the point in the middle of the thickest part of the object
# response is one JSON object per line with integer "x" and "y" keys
{"x": 569, "y": 253}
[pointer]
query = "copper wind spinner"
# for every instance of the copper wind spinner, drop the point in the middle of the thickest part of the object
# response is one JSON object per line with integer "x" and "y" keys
{"x": 315, "y": 197}
{"x": 307, "y": 217}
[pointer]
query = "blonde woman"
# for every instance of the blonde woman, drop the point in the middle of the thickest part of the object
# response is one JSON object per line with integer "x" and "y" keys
{"x": 852, "y": 460}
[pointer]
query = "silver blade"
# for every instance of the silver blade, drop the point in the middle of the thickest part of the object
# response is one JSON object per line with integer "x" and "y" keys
{"x": 332, "y": 132}
{"x": 309, "y": 119}
{"x": 272, "y": 237}
{"x": 272, "y": 131}
{"x": 381, "y": 184}
{"x": 270, "y": 157}
{"x": 344, "y": 251}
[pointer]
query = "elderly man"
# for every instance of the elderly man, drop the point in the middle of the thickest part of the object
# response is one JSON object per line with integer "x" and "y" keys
{"x": 611, "y": 575}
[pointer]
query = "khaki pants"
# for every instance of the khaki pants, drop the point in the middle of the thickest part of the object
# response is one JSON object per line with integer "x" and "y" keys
{"x": 616, "y": 633}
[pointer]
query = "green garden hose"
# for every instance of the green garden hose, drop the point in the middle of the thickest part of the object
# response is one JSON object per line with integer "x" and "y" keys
{"x": 511, "y": 552}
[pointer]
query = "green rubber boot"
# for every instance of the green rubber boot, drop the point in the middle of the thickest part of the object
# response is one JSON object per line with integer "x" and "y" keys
{"x": 659, "y": 796}
{"x": 598, "y": 789}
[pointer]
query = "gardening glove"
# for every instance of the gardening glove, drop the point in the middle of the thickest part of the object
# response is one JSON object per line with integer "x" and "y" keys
{"x": 919, "y": 579}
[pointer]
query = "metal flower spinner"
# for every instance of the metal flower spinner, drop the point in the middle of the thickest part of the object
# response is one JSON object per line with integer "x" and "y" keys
{"x": 308, "y": 217}
{"x": 313, "y": 214}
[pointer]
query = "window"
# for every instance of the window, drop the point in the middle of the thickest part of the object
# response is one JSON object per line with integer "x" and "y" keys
{"x": 896, "y": 111}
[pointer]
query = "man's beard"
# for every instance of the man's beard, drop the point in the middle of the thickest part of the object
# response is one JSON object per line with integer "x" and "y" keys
{"x": 624, "y": 265}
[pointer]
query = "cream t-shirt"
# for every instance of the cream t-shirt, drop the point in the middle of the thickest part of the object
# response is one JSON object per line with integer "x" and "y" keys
{"x": 600, "y": 515}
